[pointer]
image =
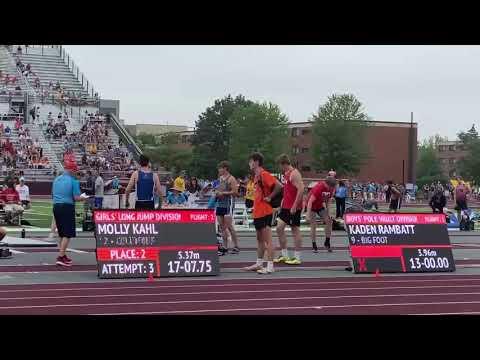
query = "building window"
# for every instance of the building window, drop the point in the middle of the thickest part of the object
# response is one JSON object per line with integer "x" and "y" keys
{"x": 452, "y": 173}
{"x": 304, "y": 150}
{"x": 451, "y": 161}
{"x": 295, "y": 132}
{"x": 306, "y": 131}
{"x": 295, "y": 150}
{"x": 306, "y": 168}
{"x": 451, "y": 147}
{"x": 441, "y": 148}
{"x": 184, "y": 139}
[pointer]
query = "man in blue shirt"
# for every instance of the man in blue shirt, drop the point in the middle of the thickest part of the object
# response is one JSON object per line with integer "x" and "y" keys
{"x": 340, "y": 196}
{"x": 65, "y": 191}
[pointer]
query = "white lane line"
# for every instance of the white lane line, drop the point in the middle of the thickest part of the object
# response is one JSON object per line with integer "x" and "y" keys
{"x": 214, "y": 301}
{"x": 77, "y": 251}
{"x": 16, "y": 251}
{"x": 243, "y": 292}
{"x": 288, "y": 308}
{"x": 450, "y": 313}
{"x": 163, "y": 284}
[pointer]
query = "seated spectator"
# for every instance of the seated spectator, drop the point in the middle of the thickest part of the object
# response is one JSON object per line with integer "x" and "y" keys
{"x": 58, "y": 86}
{"x": 19, "y": 50}
{"x": 37, "y": 82}
{"x": 10, "y": 201}
{"x": 176, "y": 197}
{"x": 438, "y": 201}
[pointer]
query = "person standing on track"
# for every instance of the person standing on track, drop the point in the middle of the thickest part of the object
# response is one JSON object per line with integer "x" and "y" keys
{"x": 65, "y": 191}
{"x": 250, "y": 192}
{"x": 225, "y": 195}
{"x": 318, "y": 202}
{"x": 461, "y": 192}
{"x": 394, "y": 197}
{"x": 146, "y": 183}
{"x": 266, "y": 188}
{"x": 340, "y": 196}
{"x": 291, "y": 211}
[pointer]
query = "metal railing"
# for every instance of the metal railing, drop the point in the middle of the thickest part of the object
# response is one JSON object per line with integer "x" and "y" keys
{"x": 87, "y": 85}
{"x": 125, "y": 136}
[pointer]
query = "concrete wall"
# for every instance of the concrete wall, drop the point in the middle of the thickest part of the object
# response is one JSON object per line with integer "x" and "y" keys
{"x": 154, "y": 129}
{"x": 110, "y": 106}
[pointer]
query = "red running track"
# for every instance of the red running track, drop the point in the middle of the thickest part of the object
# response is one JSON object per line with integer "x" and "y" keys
{"x": 226, "y": 265}
{"x": 427, "y": 294}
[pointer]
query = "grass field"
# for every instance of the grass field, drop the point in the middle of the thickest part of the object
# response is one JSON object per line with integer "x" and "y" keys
{"x": 40, "y": 214}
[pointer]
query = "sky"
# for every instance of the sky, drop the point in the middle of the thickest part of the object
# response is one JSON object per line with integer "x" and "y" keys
{"x": 173, "y": 84}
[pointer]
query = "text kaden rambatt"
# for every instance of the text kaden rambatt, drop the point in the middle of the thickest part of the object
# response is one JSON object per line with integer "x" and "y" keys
{"x": 381, "y": 229}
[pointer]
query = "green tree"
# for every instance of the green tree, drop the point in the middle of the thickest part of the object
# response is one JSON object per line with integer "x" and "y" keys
{"x": 144, "y": 140}
{"x": 211, "y": 139}
{"x": 257, "y": 127}
{"x": 339, "y": 136}
{"x": 428, "y": 165}
{"x": 469, "y": 166}
{"x": 165, "y": 153}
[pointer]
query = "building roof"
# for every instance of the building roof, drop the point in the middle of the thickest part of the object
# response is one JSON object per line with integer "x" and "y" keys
{"x": 370, "y": 123}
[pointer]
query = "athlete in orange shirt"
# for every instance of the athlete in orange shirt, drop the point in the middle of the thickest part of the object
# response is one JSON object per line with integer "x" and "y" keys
{"x": 266, "y": 188}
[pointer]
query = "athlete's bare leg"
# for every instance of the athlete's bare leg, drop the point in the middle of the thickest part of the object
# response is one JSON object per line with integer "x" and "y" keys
{"x": 282, "y": 237}
{"x": 228, "y": 222}
{"x": 297, "y": 237}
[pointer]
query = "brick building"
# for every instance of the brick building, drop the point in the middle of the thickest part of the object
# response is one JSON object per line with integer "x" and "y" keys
{"x": 449, "y": 153}
{"x": 392, "y": 146}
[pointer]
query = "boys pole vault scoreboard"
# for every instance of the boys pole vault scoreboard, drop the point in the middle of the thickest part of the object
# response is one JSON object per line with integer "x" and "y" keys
{"x": 399, "y": 243}
{"x": 160, "y": 243}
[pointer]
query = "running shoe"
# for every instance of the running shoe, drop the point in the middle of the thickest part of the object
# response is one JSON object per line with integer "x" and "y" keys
{"x": 314, "y": 246}
{"x": 67, "y": 259}
{"x": 281, "y": 259}
{"x": 253, "y": 267}
{"x": 348, "y": 268}
{"x": 327, "y": 246}
{"x": 5, "y": 253}
{"x": 235, "y": 250}
{"x": 293, "y": 261}
{"x": 62, "y": 262}
{"x": 264, "y": 271}
{"x": 222, "y": 251}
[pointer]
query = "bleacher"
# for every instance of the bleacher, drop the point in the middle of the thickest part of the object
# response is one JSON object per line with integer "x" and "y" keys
{"x": 51, "y": 67}
{"x": 52, "y": 64}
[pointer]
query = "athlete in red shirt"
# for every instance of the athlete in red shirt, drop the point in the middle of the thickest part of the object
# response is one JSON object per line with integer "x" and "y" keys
{"x": 318, "y": 201}
{"x": 291, "y": 210}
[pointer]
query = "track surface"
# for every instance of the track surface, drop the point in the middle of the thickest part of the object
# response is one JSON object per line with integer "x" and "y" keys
{"x": 346, "y": 296}
{"x": 31, "y": 284}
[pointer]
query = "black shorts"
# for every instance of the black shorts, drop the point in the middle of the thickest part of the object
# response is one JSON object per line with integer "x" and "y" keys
{"x": 25, "y": 202}
{"x": 263, "y": 222}
{"x": 461, "y": 205}
{"x": 145, "y": 205}
{"x": 225, "y": 211}
{"x": 65, "y": 220}
{"x": 320, "y": 212}
{"x": 248, "y": 203}
{"x": 289, "y": 219}
{"x": 394, "y": 204}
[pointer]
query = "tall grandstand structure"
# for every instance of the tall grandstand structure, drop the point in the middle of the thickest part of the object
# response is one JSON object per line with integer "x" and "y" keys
{"x": 46, "y": 79}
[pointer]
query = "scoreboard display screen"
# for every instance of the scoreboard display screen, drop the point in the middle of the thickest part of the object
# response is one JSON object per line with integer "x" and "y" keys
{"x": 136, "y": 244}
{"x": 399, "y": 243}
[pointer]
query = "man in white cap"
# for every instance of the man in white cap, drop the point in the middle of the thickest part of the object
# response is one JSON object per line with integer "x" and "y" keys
{"x": 24, "y": 193}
